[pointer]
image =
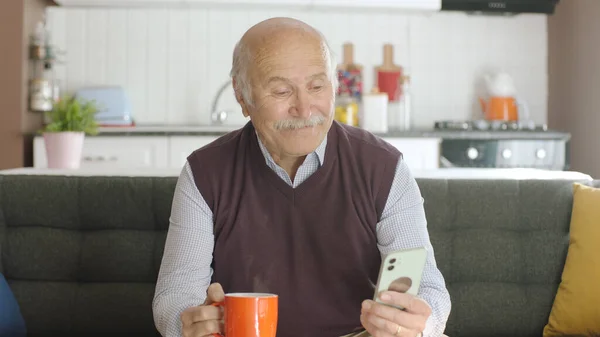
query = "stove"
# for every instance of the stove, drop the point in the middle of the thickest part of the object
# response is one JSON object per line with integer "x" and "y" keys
{"x": 484, "y": 125}
{"x": 500, "y": 144}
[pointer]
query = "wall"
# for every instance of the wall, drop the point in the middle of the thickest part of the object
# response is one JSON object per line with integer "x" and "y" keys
{"x": 31, "y": 122}
{"x": 34, "y": 12}
{"x": 11, "y": 26}
{"x": 172, "y": 62}
{"x": 574, "y": 79}
{"x": 17, "y": 21}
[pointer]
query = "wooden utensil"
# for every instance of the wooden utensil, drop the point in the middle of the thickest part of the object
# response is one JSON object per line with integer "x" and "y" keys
{"x": 389, "y": 75}
{"x": 350, "y": 74}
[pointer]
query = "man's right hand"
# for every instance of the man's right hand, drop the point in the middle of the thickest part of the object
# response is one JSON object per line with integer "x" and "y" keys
{"x": 206, "y": 319}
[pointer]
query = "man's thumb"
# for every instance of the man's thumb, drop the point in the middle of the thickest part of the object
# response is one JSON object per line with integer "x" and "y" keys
{"x": 214, "y": 294}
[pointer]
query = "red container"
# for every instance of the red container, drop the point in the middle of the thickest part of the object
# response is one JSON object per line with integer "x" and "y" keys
{"x": 389, "y": 75}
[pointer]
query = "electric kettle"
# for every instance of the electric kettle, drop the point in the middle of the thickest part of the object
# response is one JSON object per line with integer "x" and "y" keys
{"x": 502, "y": 103}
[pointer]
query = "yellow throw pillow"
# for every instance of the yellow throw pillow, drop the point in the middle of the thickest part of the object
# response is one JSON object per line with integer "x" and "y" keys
{"x": 576, "y": 308}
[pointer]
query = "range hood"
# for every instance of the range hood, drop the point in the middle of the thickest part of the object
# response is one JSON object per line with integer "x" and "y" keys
{"x": 501, "y": 6}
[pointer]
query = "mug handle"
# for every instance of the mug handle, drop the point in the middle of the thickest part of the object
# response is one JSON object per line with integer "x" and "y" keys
{"x": 222, "y": 305}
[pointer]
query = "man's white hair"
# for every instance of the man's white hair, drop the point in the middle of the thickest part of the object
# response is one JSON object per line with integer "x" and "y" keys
{"x": 242, "y": 58}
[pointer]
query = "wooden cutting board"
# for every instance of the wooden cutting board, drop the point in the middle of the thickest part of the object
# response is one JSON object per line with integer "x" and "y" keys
{"x": 350, "y": 75}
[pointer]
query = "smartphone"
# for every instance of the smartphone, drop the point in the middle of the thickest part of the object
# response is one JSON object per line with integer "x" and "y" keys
{"x": 401, "y": 271}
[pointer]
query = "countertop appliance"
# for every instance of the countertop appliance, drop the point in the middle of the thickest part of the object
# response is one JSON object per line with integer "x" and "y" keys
{"x": 503, "y": 145}
{"x": 113, "y": 105}
{"x": 501, "y": 6}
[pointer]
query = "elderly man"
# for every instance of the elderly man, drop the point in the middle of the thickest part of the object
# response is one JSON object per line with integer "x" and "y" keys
{"x": 294, "y": 204}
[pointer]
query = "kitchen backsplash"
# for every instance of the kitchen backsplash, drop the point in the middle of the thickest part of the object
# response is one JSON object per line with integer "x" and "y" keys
{"x": 172, "y": 61}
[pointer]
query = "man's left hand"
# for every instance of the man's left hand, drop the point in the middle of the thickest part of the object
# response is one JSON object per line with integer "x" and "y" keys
{"x": 384, "y": 321}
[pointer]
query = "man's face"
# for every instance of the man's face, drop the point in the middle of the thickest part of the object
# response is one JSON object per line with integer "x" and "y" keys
{"x": 293, "y": 96}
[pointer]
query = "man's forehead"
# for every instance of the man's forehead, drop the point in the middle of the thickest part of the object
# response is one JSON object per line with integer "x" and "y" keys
{"x": 310, "y": 77}
{"x": 279, "y": 67}
{"x": 279, "y": 45}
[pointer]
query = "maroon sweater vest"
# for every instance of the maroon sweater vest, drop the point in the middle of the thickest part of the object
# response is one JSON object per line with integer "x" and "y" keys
{"x": 315, "y": 245}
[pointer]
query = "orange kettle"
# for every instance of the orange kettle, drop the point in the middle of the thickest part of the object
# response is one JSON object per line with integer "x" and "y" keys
{"x": 502, "y": 103}
{"x": 500, "y": 108}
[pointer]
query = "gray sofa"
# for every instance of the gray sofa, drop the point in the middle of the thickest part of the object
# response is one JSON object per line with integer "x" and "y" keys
{"x": 82, "y": 253}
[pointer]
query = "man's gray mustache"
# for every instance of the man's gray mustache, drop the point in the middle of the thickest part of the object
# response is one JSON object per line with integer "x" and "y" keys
{"x": 293, "y": 124}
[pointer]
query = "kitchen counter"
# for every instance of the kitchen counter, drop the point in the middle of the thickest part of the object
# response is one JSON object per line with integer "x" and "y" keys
{"x": 443, "y": 173}
{"x": 207, "y": 130}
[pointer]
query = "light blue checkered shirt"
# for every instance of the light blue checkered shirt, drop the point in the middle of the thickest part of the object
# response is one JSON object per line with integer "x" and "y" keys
{"x": 186, "y": 272}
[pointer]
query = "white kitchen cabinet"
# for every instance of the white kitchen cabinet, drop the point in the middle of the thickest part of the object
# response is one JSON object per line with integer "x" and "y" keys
{"x": 419, "y": 153}
{"x": 115, "y": 152}
{"x": 118, "y": 3}
{"x": 180, "y": 147}
{"x": 419, "y": 5}
{"x": 171, "y": 152}
{"x": 251, "y": 2}
{"x": 179, "y": 3}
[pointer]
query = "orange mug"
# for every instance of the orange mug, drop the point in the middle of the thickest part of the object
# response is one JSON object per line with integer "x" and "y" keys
{"x": 250, "y": 314}
{"x": 500, "y": 109}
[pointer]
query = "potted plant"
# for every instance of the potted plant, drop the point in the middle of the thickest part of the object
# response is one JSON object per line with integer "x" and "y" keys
{"x": 68, "y": 122}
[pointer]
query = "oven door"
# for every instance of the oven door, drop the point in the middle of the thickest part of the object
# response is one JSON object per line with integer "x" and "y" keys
{"x": 549, "y": 154}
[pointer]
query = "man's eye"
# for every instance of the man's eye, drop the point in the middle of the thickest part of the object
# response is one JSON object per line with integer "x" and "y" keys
{"x": 282, "y": 92}
{"x": 317, "y": 87}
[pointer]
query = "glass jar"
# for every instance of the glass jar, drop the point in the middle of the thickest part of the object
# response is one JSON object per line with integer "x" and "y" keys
{"x": 346, "y": 110}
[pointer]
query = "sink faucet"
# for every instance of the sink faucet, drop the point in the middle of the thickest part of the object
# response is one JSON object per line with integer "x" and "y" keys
{"x": 219, "y": 117}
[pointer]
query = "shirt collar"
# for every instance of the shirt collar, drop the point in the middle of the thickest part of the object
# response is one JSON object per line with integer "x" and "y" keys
{"x": 319, "y": 151}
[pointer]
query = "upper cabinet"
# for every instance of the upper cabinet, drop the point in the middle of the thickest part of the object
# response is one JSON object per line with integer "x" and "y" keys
{"x": 180, "y": 3}
{"x": 420, "y": 5}
{"x": 471, "y": 6}
{"x": 118, "y": 3}
{"x": 429, "y": 5}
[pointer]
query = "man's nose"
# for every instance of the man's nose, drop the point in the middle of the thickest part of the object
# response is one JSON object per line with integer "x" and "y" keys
{"x": 301, "y": 106}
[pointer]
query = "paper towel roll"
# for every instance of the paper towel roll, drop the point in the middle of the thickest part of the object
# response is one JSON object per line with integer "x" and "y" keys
{"x": 374, "y": 112}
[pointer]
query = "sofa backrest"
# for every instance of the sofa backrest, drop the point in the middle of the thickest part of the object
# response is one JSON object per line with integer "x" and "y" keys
{"x": 82, "y": 253}
{"x": 501, "y": 246}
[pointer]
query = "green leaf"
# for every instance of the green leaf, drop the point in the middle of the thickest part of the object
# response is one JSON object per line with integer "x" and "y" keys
{"x": 72, "y": 114}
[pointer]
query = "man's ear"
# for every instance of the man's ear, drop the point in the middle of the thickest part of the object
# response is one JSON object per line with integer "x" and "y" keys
{"x": 240, "y": 98}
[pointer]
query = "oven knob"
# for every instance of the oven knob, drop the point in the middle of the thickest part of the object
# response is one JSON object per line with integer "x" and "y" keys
{"x": 506, "y": 153}
{"x": 472, "y": 153}
{"x": 540, "y": 153}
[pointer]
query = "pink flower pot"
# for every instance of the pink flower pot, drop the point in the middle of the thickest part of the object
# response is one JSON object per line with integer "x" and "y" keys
{"x": 63, "y": 149}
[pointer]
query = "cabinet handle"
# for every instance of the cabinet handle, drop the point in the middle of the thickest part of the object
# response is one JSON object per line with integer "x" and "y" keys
{"x": 100, "y": 159}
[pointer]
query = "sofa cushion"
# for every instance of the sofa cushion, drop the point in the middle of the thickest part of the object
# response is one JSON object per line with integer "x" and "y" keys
{"x": 501, "y": 247}
{"x": 576, "y": 309}
{"x": 82, "y": 254}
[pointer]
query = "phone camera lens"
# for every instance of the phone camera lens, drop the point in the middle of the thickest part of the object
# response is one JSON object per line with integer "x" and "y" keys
{"x": 392, "y": 260}
{"x": 390, "y": 267}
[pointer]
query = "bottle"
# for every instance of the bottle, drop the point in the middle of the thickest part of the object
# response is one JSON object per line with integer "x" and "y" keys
{"x": 406, "y": 105}
{"x": 373, "y": 114}
{"x": 42, "y": 90}
{"x": 346, "y": 110}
